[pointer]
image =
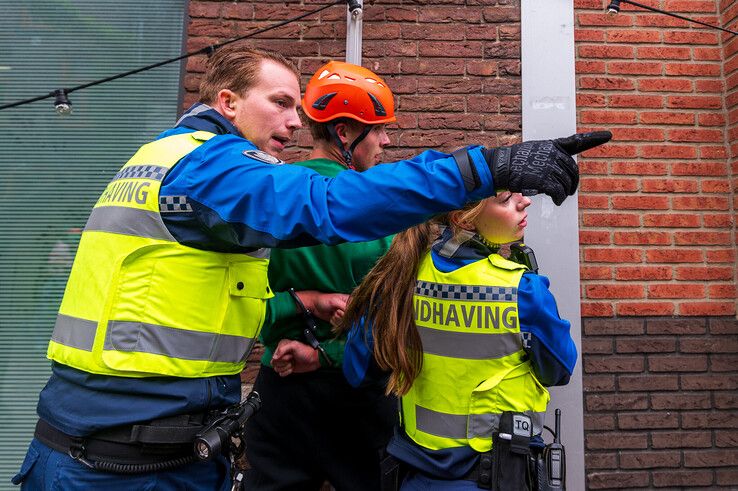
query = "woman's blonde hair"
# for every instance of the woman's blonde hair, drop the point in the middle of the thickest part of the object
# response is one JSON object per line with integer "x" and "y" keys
{"x": 384, "y": 299}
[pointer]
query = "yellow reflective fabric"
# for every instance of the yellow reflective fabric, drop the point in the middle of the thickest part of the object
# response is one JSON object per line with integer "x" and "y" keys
{"x": 474, "y": 366}
{"x": 137, "y": 303}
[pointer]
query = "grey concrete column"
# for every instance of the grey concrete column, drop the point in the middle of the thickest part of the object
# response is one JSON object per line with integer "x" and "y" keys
{"x": 549, "y": 111}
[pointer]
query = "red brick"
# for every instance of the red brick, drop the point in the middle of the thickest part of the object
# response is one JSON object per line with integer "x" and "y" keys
{"x": 639, "y": 168}
{"x": 607, "y": 51}
{"x": 708, "y": 345}
{"x": 726, "y": 477}
{"x": 708, "y": 382}
{"x": 630, "y": 273}
{"x": 693, "y": 69}
{"x": 676, "y": 326}
{"x": 638, "y": 134}
{"x": 717, "y": 220}
{"x": 642, "y": 238}
{"x": 726, "y": 401}
{"x": 596, "y": 309}
{"x": 721, "y": 256}
{"x": 690, "y": 6}
{"x": 673, "y": 478}
{"x": 676, "y": 290}
{"x": 603, "y": 19}
{"x": 610, "y": 327}
{"x": 599, "y": 422}
{"x": 723, "y": 326}
{"x": 434, "y": 67}
{"x": 592, "y": 237}
{"x": 644, "y": 308}
{"x": 677, "y": 363}
{"x": 595, "y": 272}
{"x": 588, "y": 66}
{"x": 614, "y": 291}
{"x": 723, "y": 363}
{"x": 649, "y": 460}
{"x": 600, "y": 460}
{"x": 681, "y": 439}
{"x": 696, "y": 135}
{"x": 674, "y": 255}
{"x": 599, "y": 383}
{"x": 690, "y": 37}
{"x": 680, "y": 401}
{"x": 694, "y": 102}
{"x": 698, "y": 169}
{"x": 613, "y": 364}
{"x": 606, "y": 117}
{"x": 702, "y": 238}
{"x": 617, "y": 480}
{"x": 637, "y": 101}
{"x": 712, "y": 152}
{"x": 655, "y": 117}
{"x": 640, "y": 202}
{"x": 608, "y": 184}
{"x": 714, "y": 186}
{"x": 663, "y": 53}
{"x": 652, "y": 383}
{"x": 637, "y": 36}
{"x": 610, "y": 219}
{"x": 707, "y": 308}
{"x": 668, "y": 152}
{"x": 710, "y": 119}
{"x": 665, "y": 85}
{"x": 592, "y": 35}
{"x": 609, "y": 441}
{"x": 593, "y": 202}
{"x": 711, "y": 458}
{"x": 714, "y": 420}
{"x": 612, "y": 255}
{"x": 700, "y": 203}
{"x": 447, "y": 103}
{"x": 672, "y": 220}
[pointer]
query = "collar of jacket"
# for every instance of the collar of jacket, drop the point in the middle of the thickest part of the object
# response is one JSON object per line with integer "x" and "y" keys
{"x": 465, "y": 245}
{"x": 201, "y": 117}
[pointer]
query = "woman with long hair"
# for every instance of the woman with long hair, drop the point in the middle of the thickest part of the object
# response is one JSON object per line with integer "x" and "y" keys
{"x": 466, "y": 338}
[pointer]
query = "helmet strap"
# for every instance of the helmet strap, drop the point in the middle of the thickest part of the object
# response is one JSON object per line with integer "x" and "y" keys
{"x": 348, "y": 153}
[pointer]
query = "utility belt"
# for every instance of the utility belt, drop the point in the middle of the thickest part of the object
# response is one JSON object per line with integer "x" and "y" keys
{"x": 159, "y": 445}
{"x": 511, "y": 465}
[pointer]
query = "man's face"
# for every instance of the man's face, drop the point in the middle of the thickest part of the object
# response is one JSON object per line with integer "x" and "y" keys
{"x": 267, "y": 113}
{"x": 368, "y": 152}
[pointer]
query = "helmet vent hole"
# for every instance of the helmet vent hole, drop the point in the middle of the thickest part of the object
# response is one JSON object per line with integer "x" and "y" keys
{"x": 349, "y": 78}
{"x": 371, "y": 80}
{"x": 323, "y": 74}
{"x": 334, "y": 77}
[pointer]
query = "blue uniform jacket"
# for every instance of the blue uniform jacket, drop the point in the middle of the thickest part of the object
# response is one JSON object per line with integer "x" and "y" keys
{"x": 241, "y": 200}
{"x": 550, "y": 347}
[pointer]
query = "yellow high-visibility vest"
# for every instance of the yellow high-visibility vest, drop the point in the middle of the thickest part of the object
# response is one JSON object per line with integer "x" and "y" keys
{"x": 140, "y": 304}
{"x": 474, "y": 365}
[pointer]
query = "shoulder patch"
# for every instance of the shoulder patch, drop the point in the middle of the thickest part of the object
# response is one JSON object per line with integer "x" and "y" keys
{"x": 263, "y": 157}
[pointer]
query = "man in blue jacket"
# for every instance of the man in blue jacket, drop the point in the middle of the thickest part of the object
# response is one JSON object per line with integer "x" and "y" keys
{"x": 167, "y": 292}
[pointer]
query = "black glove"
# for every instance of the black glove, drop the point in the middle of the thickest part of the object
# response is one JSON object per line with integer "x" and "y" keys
{"x": 543, "y": 166}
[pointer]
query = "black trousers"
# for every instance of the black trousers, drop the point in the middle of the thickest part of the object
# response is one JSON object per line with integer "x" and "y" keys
{"x": 314, "y": 427}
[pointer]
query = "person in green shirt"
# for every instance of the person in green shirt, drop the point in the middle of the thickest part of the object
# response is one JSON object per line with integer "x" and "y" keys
{"x": 313, "y": 426}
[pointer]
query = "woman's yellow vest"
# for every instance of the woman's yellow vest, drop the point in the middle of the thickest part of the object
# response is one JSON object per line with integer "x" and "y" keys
{"x": 140, "y": 304}
{"x": 474, "y": 366}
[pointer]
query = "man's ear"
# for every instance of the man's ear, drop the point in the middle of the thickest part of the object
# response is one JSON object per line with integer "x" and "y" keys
{"x": 455, "y": 218}
{"x": 342, "y": 130}
{"x": 225, "y": 103}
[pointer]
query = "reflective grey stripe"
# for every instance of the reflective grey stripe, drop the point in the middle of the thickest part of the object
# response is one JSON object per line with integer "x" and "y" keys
{"x": 482, "y": 425}
{"x": 452, "y": 245}
{"x": 455, "y": 425}
{"x": 128, "y": 221}
{"x": 74, "y": 332}
{"x": 440, "y": 424}
{"x": 469, "y": 345}
{"x": 445, "y": 291}
{"x": 468, "y": 173}
{"x": 176, "y": 343}
{"x": 263, "y": 253}
{"x": 153, "y": 172}
{"x": 194, "y": 112}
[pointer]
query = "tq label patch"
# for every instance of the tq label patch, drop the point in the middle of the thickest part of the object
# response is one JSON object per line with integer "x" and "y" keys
{"x": 263, "y": 157}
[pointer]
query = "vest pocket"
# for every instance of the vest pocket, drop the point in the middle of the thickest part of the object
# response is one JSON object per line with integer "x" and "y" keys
{"x": 249, "y": 279}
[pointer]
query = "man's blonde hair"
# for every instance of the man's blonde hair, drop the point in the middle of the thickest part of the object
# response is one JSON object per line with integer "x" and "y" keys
{"x": 236, "y": 67}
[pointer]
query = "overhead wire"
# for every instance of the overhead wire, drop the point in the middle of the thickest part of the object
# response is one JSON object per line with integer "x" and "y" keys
{"x": 60, "y": 94}
{"x": 614, "y": 8}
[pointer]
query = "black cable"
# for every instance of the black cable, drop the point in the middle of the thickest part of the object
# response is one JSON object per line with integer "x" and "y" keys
{"x": 207, "y": 49}
{"x": 615, "y": 7}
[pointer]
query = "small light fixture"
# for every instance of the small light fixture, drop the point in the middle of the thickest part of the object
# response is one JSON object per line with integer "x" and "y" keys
{"x": 62, "y": 104}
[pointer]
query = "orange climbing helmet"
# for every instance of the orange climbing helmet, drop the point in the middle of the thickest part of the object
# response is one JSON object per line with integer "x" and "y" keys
{"x": 341, "y": 89}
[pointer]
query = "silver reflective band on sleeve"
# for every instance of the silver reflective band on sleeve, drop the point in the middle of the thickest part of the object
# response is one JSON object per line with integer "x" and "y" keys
{"x": 480, "y": 293}
{"x": 74, "y": 332}
{"x": 128, "y": 221}
{"x": 455, "y": 425}
{"x": 469, "y": 345}
{"x": 175, "y": 343}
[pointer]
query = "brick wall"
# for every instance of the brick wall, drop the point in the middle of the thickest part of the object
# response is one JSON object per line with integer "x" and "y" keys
{"x": 657, "y": 206}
